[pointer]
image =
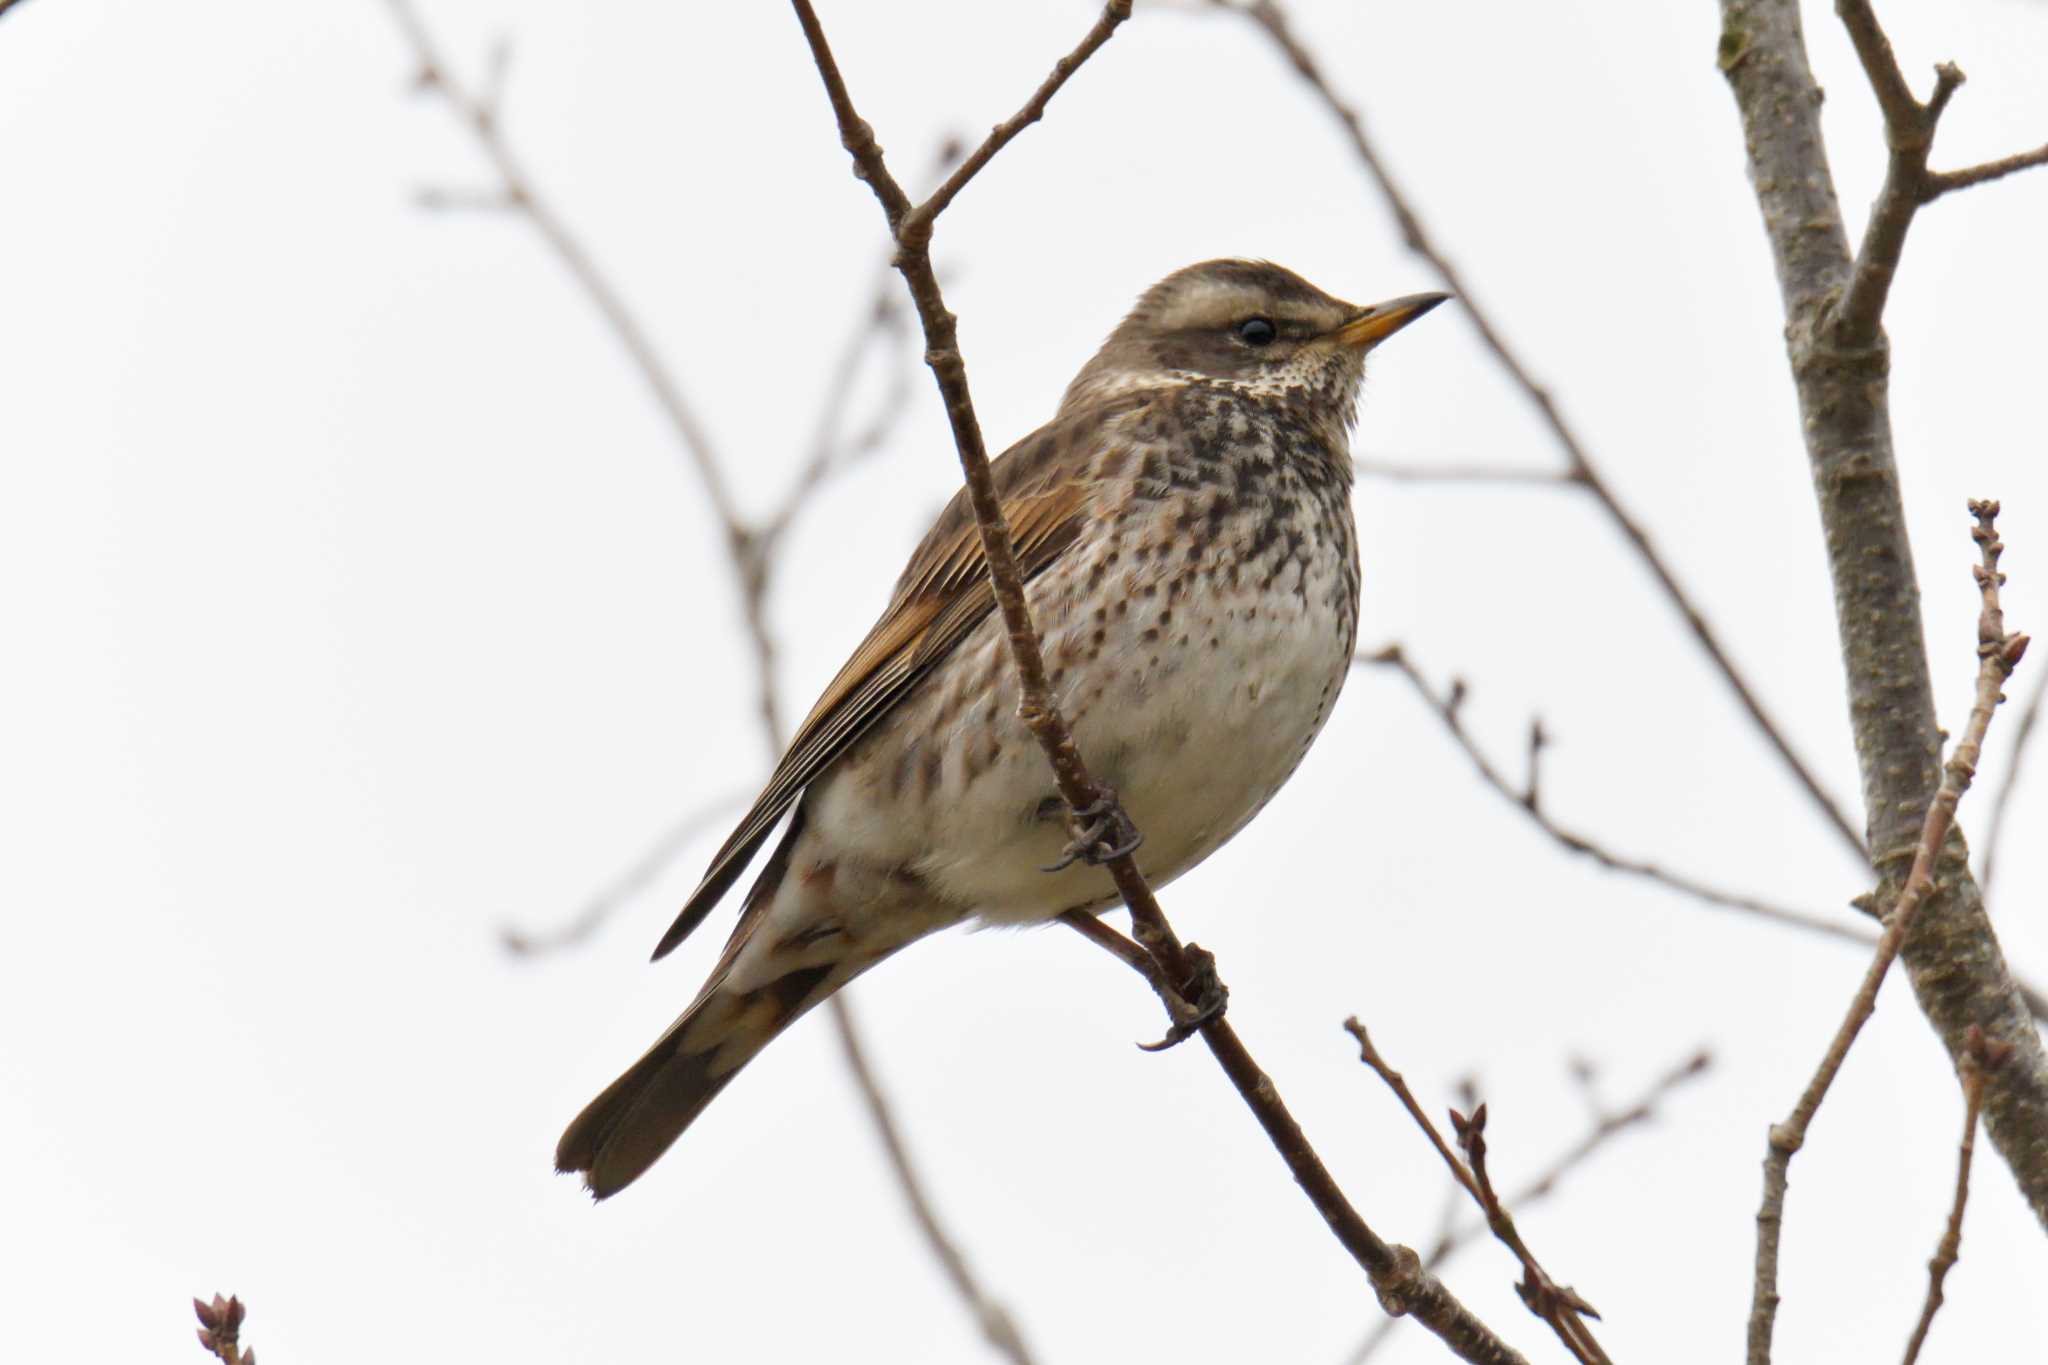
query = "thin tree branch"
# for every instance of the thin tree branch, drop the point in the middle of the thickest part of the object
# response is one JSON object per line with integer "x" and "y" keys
{"x": 1941, "y": 182}
{"x": 746, "y": 548}
{"x": 1560, "y": 1306}
{"x": 1605, "y": 1127}
{"x": 1952, "y": 954}
{"x": 1396, "y": 471}
{"x": 832, "y": 449}
{"x": 1982, "y": 1057}
{"x": 482, "y": 115}
{"x": 1997, "y": 653}
{"x": 1406, "y": 1287}
{"x": 1395, "y": 1272}
{"x": 634, "y": 878}
{"x": 1446, "y": 708}
{"x": 2014, "y": 763}
{"x": 1273, "y": 20}
{"x": 997, "y": 1327}
{"x": 917, "y": 229}
{"x": 1909, "y": 136}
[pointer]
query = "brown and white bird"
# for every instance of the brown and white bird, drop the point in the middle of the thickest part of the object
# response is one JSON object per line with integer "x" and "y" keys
{"x": 1184, "y": 525}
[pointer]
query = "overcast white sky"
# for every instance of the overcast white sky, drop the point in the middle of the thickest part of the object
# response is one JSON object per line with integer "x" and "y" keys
{"x": 358, "y": 605}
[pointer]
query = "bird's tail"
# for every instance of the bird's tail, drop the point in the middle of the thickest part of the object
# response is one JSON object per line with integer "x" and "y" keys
{"x": 624, "y": 1130}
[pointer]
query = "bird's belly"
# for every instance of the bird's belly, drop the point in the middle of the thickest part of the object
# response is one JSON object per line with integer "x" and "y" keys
{"x": 1195, "y": 723}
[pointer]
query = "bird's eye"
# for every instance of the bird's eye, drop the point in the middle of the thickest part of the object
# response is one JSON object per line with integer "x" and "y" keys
{"x": 1256, "y": 332}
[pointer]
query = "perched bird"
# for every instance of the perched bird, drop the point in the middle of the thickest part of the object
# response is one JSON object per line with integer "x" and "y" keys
{"x": 1184, "y": 525}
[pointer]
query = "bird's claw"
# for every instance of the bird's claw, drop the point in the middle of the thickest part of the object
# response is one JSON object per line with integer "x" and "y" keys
{"x": 1102, "y": 833}
{"x": 1203, "y": 997}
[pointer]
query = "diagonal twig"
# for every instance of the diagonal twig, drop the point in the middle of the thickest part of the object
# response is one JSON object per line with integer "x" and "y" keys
{"x": 1997, "y": 653}
{"x": 1446, "y": 709}
{"x": 634, "y": 878}
{"x": 1395, "y": 1272}
{"x": 1558, "y": 1305}
{"x": 751, "y": 565}
{"x": 1273, "y": 20}
{"x": 1983, "y": 1056}
{"x": 1942, "y": 182}
{"x": 1605, "y": 1127}
{"x": 1471, "y": 475}
{"x": 998, "y": 1328}
{"x": 2015, "y": 761}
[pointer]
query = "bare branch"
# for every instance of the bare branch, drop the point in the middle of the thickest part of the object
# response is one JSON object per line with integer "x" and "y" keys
{"x": 480, "y": 113}
{"x": 1273, "y": 20}
{"x": 1557, "y": 1305}
{"x": 748, "y": 551}
{"x": 1406, "y": 1287}
{"x": 1446, "y": 710}
{"x": 1941, "y": 182}
{"x": 2014, "y": 763}
{"x": 1997, "y": 653}
{"x": 1605, "y": 1127}
{"x": 1902, "y": 112}
{"x": 1983, "y": 1056}
{"x": 1396, "y": 471}
{"x": 1909, "y": 135}
{"x": 918, "y": 228}
{"x": 833, "y": 449}
{"x": 1952, "y": 955}
{"x": 634, "y": 878}
{"x": 993, "y": 1319}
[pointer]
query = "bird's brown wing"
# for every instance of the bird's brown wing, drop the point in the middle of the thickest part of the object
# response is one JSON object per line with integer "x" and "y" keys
{"x": 941, "y": 596}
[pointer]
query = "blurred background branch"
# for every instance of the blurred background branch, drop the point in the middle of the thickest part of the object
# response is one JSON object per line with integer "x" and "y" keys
{"x": 750, "y": 547}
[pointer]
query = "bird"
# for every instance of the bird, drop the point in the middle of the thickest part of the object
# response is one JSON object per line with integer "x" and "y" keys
{"x": 1184, "y": 527}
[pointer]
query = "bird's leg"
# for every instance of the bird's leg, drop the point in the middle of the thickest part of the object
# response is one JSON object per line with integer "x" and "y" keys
{"x": 1101, "y": 831}
{"x": 1201, "y": 1000}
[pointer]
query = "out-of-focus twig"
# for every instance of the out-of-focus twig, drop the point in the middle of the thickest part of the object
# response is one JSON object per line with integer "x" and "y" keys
{"x": 1447, "y": 709}
{"x": 1560, "y": 1306}
{"x": 1471, "y": 475}
{"x": 2001, "y": 802}
{"x": 1606, "y": 1126}
{"x": 479, "y": 109}
{"x": 997, "y": 1327}
{"x": 832, "y": 448}
{"x": 1273, "y": 20}
{"x": 1997, "y": 654}
{"x": 220, "y": 1329}
{"x": 747, "y": 546}
{"x": 1983, "y": 1056}
{"x": 634, "y": 878}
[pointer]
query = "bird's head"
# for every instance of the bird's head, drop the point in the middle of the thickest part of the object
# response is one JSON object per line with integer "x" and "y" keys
{"x": 1247, "y": 325}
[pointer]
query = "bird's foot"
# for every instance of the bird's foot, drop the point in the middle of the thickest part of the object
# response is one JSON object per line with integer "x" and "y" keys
{"x": 1202, "y": 999}
{"x": 1102, "y": 832}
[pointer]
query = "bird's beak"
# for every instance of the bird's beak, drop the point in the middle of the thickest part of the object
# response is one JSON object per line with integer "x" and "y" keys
{"x": 1375, "y": 324}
